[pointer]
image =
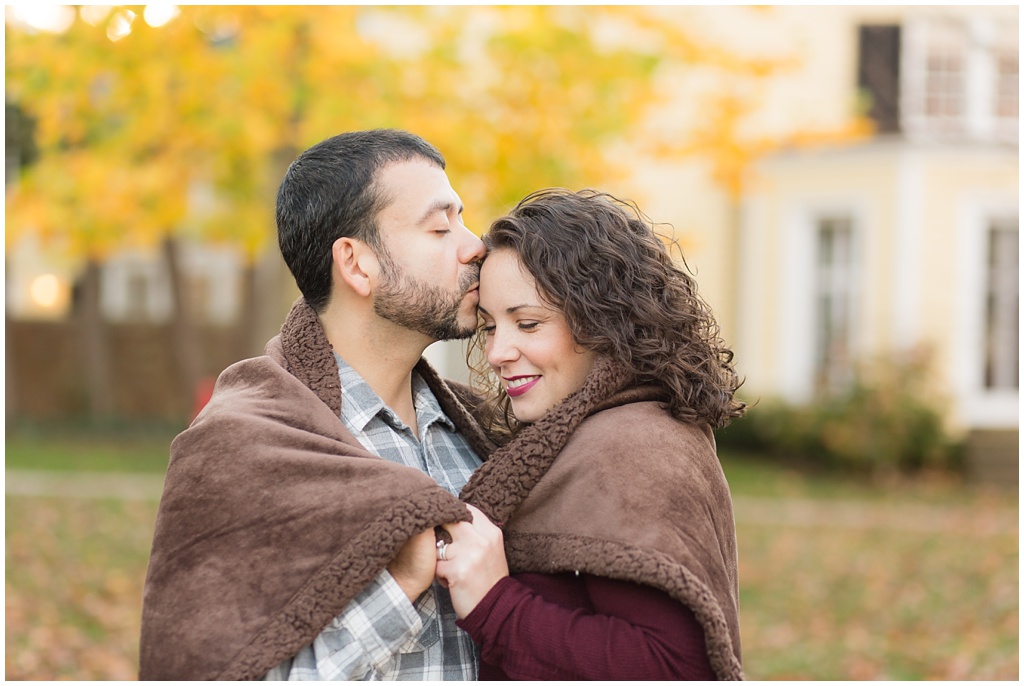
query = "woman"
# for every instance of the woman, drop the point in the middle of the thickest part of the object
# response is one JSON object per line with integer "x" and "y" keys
{"x": 611, "y": 504}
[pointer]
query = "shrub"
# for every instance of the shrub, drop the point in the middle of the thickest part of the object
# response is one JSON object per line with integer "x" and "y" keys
{"x": 887, "y": 419}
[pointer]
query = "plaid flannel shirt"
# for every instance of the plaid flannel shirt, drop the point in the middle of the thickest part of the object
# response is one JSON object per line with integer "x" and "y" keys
{"x": 381, "y": 635}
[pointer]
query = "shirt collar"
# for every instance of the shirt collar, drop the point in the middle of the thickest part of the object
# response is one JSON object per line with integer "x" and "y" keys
{"x": 428, "y": 410}
{"x": 360, "y": 403}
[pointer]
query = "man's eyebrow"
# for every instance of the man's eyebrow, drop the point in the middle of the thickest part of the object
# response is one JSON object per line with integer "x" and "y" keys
{"x": 438, "y": 206}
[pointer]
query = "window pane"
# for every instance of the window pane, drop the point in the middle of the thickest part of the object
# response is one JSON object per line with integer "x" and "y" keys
{"x": 1007, "y": 86}
{"x": 1002, "y": 353}
{"x": 834, "y": 303}
{"x": 944, "y": 85}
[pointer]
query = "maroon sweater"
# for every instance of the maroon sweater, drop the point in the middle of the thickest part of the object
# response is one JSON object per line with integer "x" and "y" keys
{"x": 563, "y": 626}
{"x": 611, "y": 485}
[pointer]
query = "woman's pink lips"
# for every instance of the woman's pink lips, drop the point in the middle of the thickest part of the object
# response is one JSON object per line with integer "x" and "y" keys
{"x": 519, "y": 390}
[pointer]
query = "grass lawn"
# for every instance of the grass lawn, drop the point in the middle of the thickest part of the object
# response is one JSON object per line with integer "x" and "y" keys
{"x": 822, "y": 597}
{"x": 67, "y": 448}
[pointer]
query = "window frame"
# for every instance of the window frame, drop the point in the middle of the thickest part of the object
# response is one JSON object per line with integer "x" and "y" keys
{"x": 977, "y": 406}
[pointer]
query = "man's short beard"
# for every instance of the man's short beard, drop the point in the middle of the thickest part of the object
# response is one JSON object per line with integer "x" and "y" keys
{"x": 430, "y": 310}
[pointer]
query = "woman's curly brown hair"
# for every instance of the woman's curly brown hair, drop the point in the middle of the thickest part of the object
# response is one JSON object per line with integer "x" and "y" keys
{"x": 600, "y": 262}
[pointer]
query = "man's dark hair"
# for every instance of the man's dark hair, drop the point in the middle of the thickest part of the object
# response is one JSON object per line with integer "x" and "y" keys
{"x": 330, "y": 192}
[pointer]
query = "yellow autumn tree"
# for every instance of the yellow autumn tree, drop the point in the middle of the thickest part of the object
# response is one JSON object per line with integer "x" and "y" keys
{"x": 137, "y": 123}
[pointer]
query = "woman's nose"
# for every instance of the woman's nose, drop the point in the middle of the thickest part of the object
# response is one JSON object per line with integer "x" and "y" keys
{"x": 500, "y": 349}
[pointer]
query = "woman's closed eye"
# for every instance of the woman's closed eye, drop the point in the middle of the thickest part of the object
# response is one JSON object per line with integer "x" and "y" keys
{"x": 488, "y": 328}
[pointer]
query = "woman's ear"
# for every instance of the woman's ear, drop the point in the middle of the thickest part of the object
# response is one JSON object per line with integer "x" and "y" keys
{"x": 355, "y": 264}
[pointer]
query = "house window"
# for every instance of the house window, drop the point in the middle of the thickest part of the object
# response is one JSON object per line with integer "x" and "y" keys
{"x": 834, "y": 303}
{"x": 944, "y": 85}
{"x": 1002, "y": 298}
{"x": 959, "y": 78}
{"x": 878, "y": 74}
{"x": 945, "y": 56}
{"x": 133, "y": 288}
{"x": 1007, "y": 87}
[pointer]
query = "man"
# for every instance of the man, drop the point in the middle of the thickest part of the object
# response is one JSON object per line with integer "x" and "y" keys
{"x": 285, "y": 546}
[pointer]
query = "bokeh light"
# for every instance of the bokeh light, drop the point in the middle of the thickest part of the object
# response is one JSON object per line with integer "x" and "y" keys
{"x": 94, "y": 14}
{"x": 43, "y": 17}
{"x": 120, "y": 25}
{"x": 158, "y": 15}
{"x": 47, "y": 291}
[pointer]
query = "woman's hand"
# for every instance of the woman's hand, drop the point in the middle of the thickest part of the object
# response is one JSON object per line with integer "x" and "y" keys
{"x": 474, "y": 561}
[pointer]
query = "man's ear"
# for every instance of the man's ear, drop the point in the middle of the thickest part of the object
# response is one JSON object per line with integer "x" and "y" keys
{"x": 355, "y": 264}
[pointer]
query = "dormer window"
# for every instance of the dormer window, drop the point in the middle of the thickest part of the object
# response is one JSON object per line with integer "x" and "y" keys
{"x": 941, "y": 78}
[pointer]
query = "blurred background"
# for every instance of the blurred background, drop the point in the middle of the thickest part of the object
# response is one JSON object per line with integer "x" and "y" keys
{"x": 843, "y": 181}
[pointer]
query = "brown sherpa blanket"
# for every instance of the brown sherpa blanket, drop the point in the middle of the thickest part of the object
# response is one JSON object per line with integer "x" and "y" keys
{"x": 633, "y": 495}
{"x": 274, "y": 517}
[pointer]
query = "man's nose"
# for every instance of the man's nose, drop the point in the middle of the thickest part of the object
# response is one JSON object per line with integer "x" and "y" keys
{"x": 472, "y": 249}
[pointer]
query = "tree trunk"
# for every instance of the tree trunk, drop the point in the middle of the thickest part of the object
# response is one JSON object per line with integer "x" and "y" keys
{"x": 95, "y": 345}
{"x": 10, "y": 368}
{"x": 187, "y": 351}
{"x": 246, "y": 330}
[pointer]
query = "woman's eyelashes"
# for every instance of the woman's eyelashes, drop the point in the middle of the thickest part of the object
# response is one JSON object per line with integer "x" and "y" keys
{"x": 488, "y": 329}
